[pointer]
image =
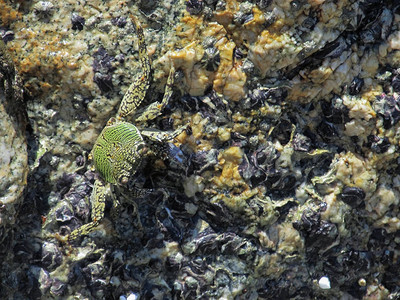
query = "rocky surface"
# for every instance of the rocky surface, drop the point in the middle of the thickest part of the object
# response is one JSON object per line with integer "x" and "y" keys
{"x": 13, "y": 144}
{"x": 287, "y": 186}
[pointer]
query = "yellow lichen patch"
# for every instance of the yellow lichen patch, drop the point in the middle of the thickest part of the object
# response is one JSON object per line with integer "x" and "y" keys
{"x": 181, "y": 138}
{"x": 242, "y": 123}
{"x": 7, "y": 14}
{"x": 240, "y": 34}
{"x": 196, "y": 140}
{"x": 266, "y": 47}
{"x": 197, "y": 124}
{"x": 196, "y": 78}
{"x": 188, "y": 29}
{"x": 203, "y": 145}
{"x": 224, "y": 134}
{"x": 225, "y": 17}
{"x": 272, "y": 51}
{"x": 253, "y": 28}
{"x": 320, "y": 74}
{"x": 48, "y": 54}
{"x": 236, "y": 202}
{"x": 229, "y": 161}
{"x": 372, "y": 92}
{"x": 353, "y": 170}
{"x": 360, "y": 109}
{"x": 229, "y": 79}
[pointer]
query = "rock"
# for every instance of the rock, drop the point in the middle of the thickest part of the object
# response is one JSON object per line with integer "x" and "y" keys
{"x": 13, "y": 143}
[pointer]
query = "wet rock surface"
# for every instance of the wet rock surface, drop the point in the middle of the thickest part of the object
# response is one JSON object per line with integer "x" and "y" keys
{"x": 13, "y": 143}
{"x": 288, "y": 175}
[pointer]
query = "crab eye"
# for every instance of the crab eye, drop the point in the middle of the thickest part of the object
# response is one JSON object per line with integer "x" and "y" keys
{"x": 140, "y": 148}
{"x": 123, "y": 180}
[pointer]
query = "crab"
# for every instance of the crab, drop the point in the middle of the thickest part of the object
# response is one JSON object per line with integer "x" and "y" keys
{"x": 120, "y": 147}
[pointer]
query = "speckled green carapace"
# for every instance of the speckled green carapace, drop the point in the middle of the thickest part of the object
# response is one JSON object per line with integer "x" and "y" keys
{"x": 118, "y": 151}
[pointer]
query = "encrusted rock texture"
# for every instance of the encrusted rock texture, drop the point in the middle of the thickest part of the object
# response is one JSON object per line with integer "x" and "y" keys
{"x": 286, "y": 186}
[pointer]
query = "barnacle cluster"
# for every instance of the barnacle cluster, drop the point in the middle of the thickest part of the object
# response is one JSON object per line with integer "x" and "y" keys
{"x": 287, "y": 185}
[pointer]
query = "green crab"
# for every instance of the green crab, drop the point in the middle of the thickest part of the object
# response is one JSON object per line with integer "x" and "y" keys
{"x": 120, "y": 147}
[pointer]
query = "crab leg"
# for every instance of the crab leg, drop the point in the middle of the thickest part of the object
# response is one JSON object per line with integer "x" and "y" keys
{"x": 155, "y": 108}
{"x": 137, "y": 90}
{"x": 98, "y": 205}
